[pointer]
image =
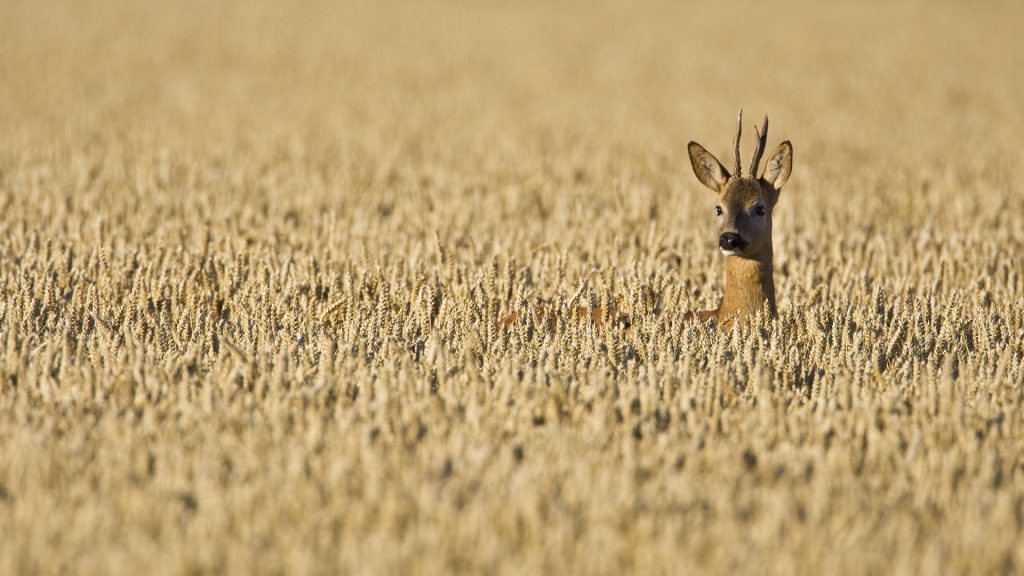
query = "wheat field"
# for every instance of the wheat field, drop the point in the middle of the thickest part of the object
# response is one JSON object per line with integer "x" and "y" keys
{"x": 253, "y": 254}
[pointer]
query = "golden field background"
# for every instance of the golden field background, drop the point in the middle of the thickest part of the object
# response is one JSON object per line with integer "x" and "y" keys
{"x": 253, "y": 254}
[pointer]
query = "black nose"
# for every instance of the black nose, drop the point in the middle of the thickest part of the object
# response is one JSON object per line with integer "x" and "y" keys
{"x": 731, "y": 241}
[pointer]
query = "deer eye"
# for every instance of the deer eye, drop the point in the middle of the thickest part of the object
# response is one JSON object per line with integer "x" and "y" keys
{"x": 718, "y": 210}
{"x": 760, "y": 210}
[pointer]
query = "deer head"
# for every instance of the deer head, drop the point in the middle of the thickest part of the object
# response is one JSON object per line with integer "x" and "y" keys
{"x": 745, "y": 203}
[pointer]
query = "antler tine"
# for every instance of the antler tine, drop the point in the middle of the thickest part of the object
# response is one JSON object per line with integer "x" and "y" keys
{"x": 736, "y": 142}
{"x": 762, "y": 139}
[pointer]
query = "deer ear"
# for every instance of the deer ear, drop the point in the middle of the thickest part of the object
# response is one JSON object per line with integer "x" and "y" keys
{"x": 708, "y": 169}
{"x": 779, "y": 166}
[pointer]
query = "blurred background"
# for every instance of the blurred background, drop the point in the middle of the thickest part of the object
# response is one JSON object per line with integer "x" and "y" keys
{"x": 850, "y": 79}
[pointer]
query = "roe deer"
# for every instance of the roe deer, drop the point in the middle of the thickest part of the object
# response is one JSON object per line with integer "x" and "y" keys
{"x": 744, "y": 211}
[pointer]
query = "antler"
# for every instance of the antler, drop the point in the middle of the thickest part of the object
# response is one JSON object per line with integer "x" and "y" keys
{"x": 762, "y": 138}
{"x": 736, "y": 142}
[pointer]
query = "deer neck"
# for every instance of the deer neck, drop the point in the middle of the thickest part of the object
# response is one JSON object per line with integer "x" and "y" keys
{"x": 748, "y": 286}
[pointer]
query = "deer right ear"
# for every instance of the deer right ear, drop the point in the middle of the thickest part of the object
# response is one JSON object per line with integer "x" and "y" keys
{"x": 780, "y": 165}
{"x": 708, "y": 169}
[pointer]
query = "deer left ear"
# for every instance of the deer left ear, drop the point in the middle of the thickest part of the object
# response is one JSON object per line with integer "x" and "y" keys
{"x": 708, "y": 169}
{"x": 780, "y": 165}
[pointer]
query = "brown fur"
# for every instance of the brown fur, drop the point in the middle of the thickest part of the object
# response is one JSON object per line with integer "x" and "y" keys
{"x": 547, "y": 316}
{"x": 749, "y": 285}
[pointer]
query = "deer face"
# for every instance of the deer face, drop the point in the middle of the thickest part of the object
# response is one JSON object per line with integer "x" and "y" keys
{"x": 744, "y": 204}
{"x": 744, "y": 212}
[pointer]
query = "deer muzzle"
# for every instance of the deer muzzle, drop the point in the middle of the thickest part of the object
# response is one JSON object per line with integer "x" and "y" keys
{"x": 730, "y": 242}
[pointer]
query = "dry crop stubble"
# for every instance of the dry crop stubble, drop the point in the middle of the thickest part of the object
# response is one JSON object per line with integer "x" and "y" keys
{"x": 252, "y": 258}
